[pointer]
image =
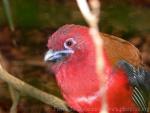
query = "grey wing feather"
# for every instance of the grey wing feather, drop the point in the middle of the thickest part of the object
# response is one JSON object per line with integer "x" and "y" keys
{"x": 140, "y": 81}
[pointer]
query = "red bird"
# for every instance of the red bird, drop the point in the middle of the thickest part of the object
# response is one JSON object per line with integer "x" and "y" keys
{"x": 72, "y": 52}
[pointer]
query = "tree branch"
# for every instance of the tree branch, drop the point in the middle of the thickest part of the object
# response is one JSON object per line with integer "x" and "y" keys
{"x": 15, "y": 95}
{"x": 92, "y": 18}
{"x": 32, "y": 91}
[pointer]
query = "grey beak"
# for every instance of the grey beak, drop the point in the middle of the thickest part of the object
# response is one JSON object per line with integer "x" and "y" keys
{"x": 54, "y": 56}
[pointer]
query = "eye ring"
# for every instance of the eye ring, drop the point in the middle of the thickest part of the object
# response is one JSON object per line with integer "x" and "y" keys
{"x": 69, "y": 43}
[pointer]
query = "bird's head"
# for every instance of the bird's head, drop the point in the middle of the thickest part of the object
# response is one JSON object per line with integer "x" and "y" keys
{"x": 68, "y": 45}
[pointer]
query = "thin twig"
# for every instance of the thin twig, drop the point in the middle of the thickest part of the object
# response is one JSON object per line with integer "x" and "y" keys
{"x": 15, "y": 95}
{"x": 92, "y": 18}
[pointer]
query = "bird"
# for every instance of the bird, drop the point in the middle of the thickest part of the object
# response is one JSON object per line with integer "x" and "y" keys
{"x": 71, "y": 54}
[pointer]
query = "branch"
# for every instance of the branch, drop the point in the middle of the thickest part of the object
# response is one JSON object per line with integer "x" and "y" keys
{"x": 32, "y": 91}
{"x": 92, "y": 18}
{"x": 15, "y": 95}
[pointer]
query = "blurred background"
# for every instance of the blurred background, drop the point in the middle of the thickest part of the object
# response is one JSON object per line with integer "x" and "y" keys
{"x": 25, "y": 26}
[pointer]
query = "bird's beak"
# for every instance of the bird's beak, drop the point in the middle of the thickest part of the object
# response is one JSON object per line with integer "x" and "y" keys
{"x": 54, "y": 56}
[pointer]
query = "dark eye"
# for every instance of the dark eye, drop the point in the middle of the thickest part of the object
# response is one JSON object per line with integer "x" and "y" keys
{"x": 69, "y": 42}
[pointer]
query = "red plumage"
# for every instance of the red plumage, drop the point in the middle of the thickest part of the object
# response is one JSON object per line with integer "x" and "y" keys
{"x": 76, "y": 76}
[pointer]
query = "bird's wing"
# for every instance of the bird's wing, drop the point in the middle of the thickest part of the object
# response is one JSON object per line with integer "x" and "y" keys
{"x": 118, "y": 49}
{"x": 140, "y": 81}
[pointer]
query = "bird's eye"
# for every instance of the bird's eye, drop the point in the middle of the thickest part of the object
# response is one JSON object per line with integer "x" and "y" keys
{"x": 69, "y": 43}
